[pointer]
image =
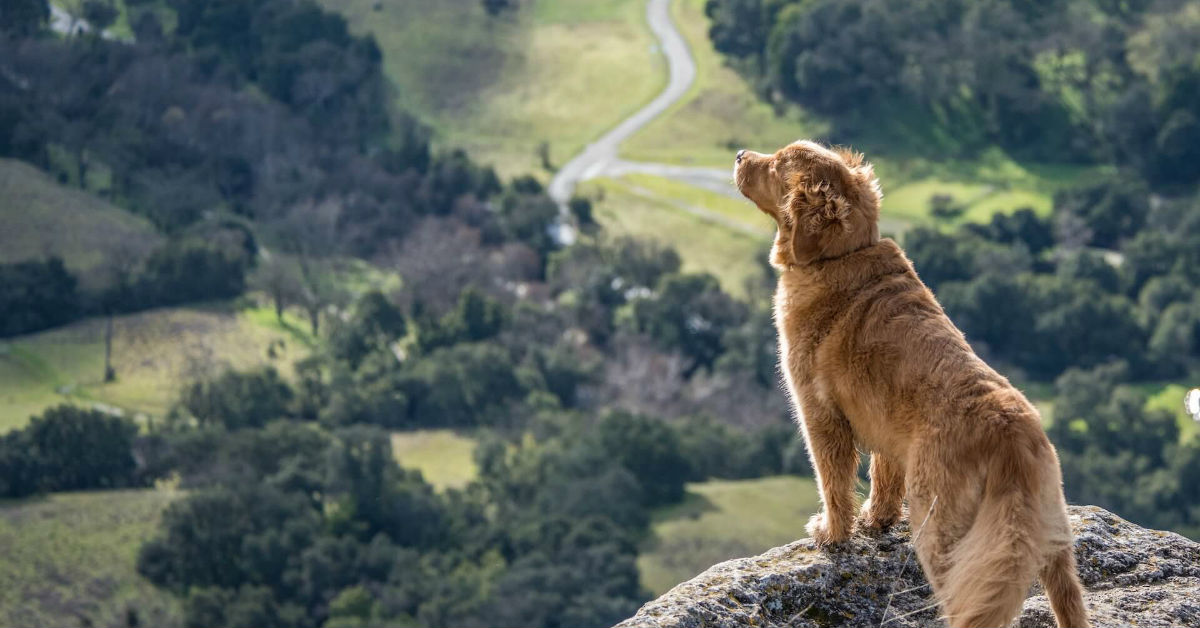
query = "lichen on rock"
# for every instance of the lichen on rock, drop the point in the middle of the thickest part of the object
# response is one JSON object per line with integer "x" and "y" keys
{"x": 1132, "y": 576}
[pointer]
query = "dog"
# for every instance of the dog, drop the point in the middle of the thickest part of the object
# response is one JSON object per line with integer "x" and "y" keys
{"x": 872, "y": 361}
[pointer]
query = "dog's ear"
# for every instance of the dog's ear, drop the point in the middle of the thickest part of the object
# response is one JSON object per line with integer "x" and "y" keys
{"x": 815, "y": 207}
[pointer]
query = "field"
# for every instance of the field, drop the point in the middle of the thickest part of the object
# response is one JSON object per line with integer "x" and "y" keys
{"x": 70, "y": 560}
{"x": 444, "y": 457}
{"x": 714, "y": 523}
{"x": 704, "y": 242}
{"x": 153, "y": 352}
{"x": 40, "y": 217}
{"x": 555, "y": 71}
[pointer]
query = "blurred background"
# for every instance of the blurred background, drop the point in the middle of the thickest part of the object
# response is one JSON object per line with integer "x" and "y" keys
{"x": 399, "y": 312}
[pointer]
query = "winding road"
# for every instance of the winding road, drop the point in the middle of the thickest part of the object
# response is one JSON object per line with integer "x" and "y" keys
{"x": 600, "y": 157}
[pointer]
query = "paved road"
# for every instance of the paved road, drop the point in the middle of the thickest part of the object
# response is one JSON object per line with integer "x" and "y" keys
{"x": 600, "y": 157}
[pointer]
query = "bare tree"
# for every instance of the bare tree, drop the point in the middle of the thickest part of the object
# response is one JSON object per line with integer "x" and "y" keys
{"x": 281, "y": 280}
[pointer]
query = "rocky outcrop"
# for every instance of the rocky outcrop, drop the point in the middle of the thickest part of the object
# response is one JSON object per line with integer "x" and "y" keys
{"x": 1133, "y": 576}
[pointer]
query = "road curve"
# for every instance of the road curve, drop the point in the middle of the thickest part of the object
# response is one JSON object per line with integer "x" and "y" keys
{"x": 601, "y": 154}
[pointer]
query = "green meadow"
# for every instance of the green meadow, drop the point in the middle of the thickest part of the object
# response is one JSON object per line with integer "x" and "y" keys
{"x": 153, "y": 352}
{"x": 70, "y": 560}
{"x": 712, "y": 525}
{"x": 445, "y": 458}
{"x": 559, "y": 72}
{"x": 734, "y": 257}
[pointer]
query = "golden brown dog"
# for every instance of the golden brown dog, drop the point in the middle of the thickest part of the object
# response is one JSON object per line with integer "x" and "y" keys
{"x": 871, "y": 360}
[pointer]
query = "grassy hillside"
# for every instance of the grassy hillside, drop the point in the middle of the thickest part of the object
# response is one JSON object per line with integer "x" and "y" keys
{"x": 39, "y": 217}
{"x": 694, "y": 223}
{"x": 444, "y": 457}
{"x": 721, "y": 114}
{"x": 153, "y": 352}
{"x": 70, "y": 560}
{"x": 555, "y": 71}
{"x": 724, "y": 519}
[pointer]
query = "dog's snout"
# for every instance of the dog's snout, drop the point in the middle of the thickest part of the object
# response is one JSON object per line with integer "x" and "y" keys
{"x": 739, "y": 155}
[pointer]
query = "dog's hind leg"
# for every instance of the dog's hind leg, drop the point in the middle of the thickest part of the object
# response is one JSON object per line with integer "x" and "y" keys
{"x": 1061, "y": 581}
{"x": 831, "y": 446}
{"x": 883, "y": 508}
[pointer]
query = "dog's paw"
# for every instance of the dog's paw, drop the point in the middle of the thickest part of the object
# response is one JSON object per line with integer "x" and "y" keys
{"x": 824, "y": 534}
{"x": 872, "y": 518}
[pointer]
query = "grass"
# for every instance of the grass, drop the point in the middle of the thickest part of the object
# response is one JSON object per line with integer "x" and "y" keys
{"x": 737, "y": 211}
{"x": 723, "y": 519}
{"x": 70, "y": 559}
{"x": 555, "y": 71}
{"x": 1168, "y": 396}
{"x": 153, "y": 352}
{"x": 444, "y": 457}
{"x": 719, "y": 115}
{"x": 732, "y": 257}
{"x": 39, "y": 218}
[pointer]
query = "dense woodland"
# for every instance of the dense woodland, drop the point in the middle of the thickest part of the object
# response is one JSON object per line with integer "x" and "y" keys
{"x": 259, "y": 137}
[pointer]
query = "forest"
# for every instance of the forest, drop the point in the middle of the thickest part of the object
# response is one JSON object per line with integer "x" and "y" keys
{"x": 264, "y": 144}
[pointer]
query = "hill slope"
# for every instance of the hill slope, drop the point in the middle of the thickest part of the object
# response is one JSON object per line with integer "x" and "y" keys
{"x": 554, "y": 71}
{"x": 153, "y": 351}
{"x": 70, "y": 560}
{"x": 39, "y": 217}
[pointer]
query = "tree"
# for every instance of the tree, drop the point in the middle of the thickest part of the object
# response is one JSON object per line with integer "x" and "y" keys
{"x": 691, "y": 314}
{"x": 496, "y": 7}
{"x": 1112, "y": 211}
{"x": 281, "y": 281}
{"x": 23, "y": 17}
{"x": 650, "y": 450}
{"x": 238, "y": 400}
{"x": 374, "y": 324}
{"x": 943, "y": 207}
{"x": 36, "y": 295}
{"x": 100, "y": 14}
{"x": 938, "y": 257}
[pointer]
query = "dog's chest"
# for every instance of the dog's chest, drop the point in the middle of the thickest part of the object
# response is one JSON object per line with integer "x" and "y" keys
{"x": 804, "y": 319}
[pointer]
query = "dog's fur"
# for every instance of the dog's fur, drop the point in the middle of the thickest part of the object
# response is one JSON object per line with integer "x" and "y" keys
{"x": 872, "y": 361}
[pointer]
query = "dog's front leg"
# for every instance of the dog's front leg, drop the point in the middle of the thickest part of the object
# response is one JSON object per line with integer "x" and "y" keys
{"x": 831, "y": 447}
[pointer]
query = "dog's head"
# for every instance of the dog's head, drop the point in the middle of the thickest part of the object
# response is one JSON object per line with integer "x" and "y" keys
{"x": 825, "y": 201}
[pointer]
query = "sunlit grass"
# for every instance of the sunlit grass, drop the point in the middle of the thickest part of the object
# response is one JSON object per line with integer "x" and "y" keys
{"x": 69, "y": 559}
{"x": 154, "y": 353}
{"x": 724, "y": 519}
{"x": 731, "y": 256}
{"x": 1169, "y": 397}
{"x": 719, "y": 115}
{"x": 555, "y": 71}
{"x": 444, "y": 457}
{"x": 40, "y": 217}
{"x": 742, "y": 212}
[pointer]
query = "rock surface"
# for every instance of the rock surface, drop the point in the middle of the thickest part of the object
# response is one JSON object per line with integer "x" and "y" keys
{"x": 1132, "y": 576}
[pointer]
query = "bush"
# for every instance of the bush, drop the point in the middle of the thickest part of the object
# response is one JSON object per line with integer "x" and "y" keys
{"x": 237, "y": 400}
{"x": 35, "y": 296}
{"x": 68, "y": 448}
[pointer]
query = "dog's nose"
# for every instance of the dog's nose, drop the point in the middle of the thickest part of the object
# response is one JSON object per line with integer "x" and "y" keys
{"x": 739, "y": 155}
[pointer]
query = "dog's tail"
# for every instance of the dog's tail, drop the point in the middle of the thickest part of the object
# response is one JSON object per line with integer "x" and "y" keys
{"x": 993, "y": 565}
